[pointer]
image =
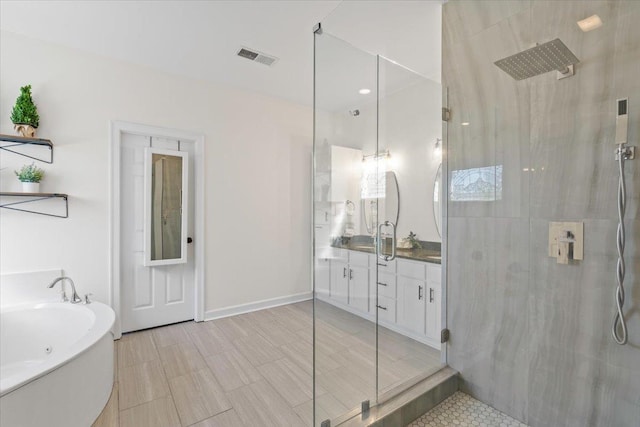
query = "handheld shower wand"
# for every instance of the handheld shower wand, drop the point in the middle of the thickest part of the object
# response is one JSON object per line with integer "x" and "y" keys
{"x": 623, "y": 153}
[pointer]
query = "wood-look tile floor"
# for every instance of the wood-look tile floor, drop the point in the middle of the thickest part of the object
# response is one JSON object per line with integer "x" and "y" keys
{"x": 256, "y": 369}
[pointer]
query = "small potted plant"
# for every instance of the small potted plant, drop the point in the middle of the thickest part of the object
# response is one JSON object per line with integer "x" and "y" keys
{"x": 411, "y": 242}
{"x": 30, "y": 176}
{"x": 25, "y": 114}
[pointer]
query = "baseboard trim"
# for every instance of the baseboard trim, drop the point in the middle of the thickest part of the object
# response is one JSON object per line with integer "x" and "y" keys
{"x": 219, "y": 313}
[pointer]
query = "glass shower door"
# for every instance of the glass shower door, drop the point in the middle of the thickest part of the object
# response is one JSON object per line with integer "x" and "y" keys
{"x": 344, "y": 345}
{"x": 409, "y": 275}
{"x": 377, "y": 246}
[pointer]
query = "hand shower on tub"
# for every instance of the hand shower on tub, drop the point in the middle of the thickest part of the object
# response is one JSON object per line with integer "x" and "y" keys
{"x": 623, "y": 153}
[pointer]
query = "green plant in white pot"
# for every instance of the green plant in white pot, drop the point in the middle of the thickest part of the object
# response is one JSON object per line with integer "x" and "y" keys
{"x": 30, "y": 176}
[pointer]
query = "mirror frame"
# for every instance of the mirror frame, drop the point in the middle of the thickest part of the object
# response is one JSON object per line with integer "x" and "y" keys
{"x": 437, "y": 214}
{"x": 372, "y": 228}
{"x": 148, "y": 196}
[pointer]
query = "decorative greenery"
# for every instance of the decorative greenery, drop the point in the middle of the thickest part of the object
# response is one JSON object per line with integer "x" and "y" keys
{"x": 25, "y": 111}
{"x": 30, "y": 173}
{"x": 413, "y": 241}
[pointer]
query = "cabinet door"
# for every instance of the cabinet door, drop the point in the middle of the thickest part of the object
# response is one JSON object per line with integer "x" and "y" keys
{"x": 411, "y": 304}
{"x": 386, "y": 309}
{"x": 434, "y": 301}
{"x": 359, "y": 287}
{"x": 340, "y": 281}
{"x": 433, "y": 320}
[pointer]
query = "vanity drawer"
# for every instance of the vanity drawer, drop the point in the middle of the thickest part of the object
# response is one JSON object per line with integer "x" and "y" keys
{"x": 360, "y": 259}
{"x": 386, "y": 309}
{"x": 434, "y": 273}
{"x": 384, "y": 266}
{"x": 386, "y": 285}
{"x": 415, "y": 269}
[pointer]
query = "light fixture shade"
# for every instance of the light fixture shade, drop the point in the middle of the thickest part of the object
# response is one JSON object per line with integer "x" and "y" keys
{"x": 590, "y": 23}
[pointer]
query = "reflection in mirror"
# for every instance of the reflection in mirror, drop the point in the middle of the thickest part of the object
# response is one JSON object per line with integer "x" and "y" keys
{"x": 165, "y": 207}
{"x": 386, "y": 203}
{"x": 437, "y": 202}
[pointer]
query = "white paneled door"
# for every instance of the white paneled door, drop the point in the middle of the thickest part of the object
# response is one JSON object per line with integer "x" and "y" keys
{"x": 158, "y": 295}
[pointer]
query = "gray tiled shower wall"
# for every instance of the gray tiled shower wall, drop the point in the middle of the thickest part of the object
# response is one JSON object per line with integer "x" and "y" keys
{"x": 529, "y": 336}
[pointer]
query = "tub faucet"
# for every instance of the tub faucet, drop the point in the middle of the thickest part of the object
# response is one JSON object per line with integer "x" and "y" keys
{"x": 74, "y": 295}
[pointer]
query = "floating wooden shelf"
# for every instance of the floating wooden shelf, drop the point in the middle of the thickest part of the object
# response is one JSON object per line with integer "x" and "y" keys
{"x": 11, "y": 143}
{"x": 24, "y": 198}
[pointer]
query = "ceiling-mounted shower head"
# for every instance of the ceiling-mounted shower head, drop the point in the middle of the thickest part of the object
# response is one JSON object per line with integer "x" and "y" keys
{"x": 553, "y": 55}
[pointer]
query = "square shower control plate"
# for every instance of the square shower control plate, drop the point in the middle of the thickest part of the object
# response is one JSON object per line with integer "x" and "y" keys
{"x": 577, "y": 231}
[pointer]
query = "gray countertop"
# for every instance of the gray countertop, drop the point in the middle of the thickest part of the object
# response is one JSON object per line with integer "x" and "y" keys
{"x": 425, "y": 255}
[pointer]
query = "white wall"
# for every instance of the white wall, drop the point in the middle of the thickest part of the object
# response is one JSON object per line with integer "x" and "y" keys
{"x": 257, "y": 170}
{"x": 409, "y": 123}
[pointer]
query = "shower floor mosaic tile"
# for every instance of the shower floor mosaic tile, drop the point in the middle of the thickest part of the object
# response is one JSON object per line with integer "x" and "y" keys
{"x": 463, "y": 410}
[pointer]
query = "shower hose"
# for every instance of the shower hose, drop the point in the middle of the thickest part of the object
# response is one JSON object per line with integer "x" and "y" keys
{"x": 619, "y": 324}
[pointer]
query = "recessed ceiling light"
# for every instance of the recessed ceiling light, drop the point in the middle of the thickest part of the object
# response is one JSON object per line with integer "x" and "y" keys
{"x": 590, "y": 23}
{"x": 364, "y": 91}
{"x": 465, "y": 123}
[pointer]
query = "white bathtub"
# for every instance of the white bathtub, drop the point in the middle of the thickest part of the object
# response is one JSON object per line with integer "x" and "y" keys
{"x": 56, "y": 364}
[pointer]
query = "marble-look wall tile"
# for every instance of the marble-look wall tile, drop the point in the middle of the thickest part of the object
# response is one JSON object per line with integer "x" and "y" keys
{"x": 495, "y": 109}
{"x": 472, "y": 271}
{"x": 627, "y": 85}
{"x": 572, "y": 126}
{"x": 464, "y": 18}
{"x": 529, "y": 336}
{"x": 511, "y": 330}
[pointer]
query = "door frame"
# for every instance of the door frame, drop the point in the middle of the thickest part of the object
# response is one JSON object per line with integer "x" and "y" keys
{"x": 117, "y": 128}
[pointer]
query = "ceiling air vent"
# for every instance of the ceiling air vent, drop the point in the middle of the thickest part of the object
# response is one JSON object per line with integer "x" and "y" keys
{"x": 256, "y": 56}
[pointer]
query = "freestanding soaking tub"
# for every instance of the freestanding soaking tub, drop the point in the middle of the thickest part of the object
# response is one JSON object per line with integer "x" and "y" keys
{"x": 56, "y": 362}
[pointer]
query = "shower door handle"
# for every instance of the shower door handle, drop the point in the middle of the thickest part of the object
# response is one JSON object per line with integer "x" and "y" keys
{"x": 393, "y": 241}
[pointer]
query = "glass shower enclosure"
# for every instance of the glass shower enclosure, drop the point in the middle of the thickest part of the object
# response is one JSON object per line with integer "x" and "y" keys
{"x": 378, "y": 294}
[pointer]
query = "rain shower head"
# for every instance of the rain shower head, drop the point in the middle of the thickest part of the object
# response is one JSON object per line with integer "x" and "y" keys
{"x": 553, "y": 55}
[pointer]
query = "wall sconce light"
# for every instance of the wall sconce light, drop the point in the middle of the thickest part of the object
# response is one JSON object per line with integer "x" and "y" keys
{"x": 437, "y": 149}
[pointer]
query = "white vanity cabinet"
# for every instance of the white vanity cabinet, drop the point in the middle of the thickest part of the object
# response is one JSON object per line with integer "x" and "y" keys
{"x": 359, "y": 281}
{"x": 419, "y": 293}
{"x": 350, "y": 279}
{"x": 386, "y": 288}
{"x": 339, "y": 281}
{"x": 433, "y": 300}
{"x": 411, "y": 304}
{"x": 408, "y": 293}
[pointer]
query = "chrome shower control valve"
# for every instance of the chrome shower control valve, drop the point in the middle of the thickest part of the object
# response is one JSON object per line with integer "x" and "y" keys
{"x": 628, "y": 153}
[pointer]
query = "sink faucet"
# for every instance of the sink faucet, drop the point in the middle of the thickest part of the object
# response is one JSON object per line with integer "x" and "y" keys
{"x": 74, "y": 295}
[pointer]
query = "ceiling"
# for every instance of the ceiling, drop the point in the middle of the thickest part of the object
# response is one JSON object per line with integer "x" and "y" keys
{"x": 199, "y": 39}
